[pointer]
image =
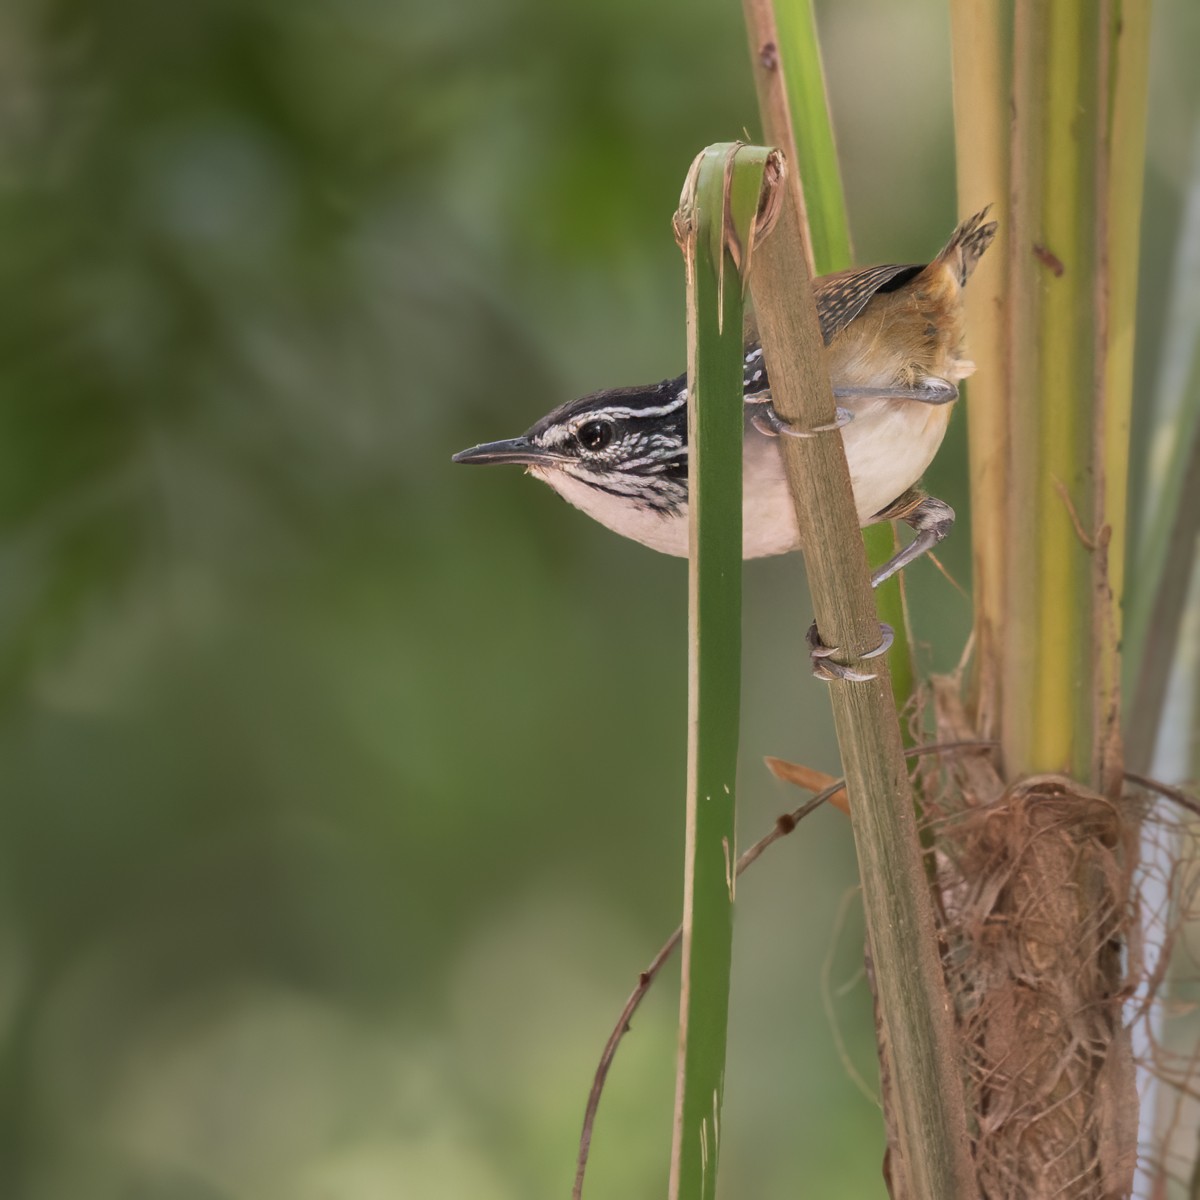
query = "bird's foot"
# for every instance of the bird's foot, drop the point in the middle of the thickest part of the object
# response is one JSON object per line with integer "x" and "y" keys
{"x": 931, "y": 518}
{"x": 823, "y": 666}
{"x": 769, "y": 422}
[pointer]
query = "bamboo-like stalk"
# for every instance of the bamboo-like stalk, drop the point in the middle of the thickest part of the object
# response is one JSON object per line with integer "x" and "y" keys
{"x": 1079, "y": 91}
{"x": 716, "y": 228}
{"x": 916, "y": 1014}
{"x": 1053, "y": 353}
{"x": 1050, "y": 106}
{"x": 982, "y": 65}
{"x": 794, "y": 105}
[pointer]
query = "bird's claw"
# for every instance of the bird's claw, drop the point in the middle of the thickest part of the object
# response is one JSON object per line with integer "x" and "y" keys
{"x": 822, "y": 656}
{"x": 770, "y": 423}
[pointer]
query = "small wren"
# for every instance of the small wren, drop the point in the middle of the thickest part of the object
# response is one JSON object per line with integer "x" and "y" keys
{"x": 894, "y": 345}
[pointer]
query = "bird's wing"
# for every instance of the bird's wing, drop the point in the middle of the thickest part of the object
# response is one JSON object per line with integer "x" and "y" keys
{"x": 842, "y": 296}
{"x": 756, "y": 387}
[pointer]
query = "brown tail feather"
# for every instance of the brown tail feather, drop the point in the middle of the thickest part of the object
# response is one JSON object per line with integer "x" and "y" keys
{"x": 967, "y": 244}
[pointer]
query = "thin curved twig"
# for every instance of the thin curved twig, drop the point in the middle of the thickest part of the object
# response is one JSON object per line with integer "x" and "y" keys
{"x": 1165, "y": 789}
{"x": 784, "y": 825}
{"x": 827, "y": 1001}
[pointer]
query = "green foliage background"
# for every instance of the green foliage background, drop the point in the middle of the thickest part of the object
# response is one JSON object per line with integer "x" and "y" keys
{"x": 342, "y": 788}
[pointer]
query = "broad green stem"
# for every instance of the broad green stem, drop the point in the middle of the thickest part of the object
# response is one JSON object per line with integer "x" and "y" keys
{"x": 1170, "y": 527}
{"x": 803, "y": 77}
{"x": 794, "y": 104}
{"x": 1166, "y": 573}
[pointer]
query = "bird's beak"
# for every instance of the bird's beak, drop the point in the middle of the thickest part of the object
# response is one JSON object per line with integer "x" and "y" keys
{"x": 512, "y": 450}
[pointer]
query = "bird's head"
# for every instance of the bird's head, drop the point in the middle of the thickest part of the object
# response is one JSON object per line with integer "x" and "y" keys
{"x": 629, "y": 444}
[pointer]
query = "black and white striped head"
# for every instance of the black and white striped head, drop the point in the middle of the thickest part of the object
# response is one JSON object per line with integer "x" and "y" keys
{"x": 627, "y": 444}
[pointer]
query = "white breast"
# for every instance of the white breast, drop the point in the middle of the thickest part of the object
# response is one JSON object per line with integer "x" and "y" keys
{"x": 889, "y": 444}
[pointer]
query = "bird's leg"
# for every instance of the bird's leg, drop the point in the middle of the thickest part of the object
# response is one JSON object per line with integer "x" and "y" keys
{"x": 931, "y": 391}
{"x": 933, "y": 520}
{"x": 768, "y": 421}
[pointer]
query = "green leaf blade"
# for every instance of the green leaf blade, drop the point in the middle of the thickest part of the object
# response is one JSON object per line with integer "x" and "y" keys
{"x": 725, "y": 182}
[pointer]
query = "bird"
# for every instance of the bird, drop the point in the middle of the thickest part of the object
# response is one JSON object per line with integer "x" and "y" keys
{"x": 894, "y": 339}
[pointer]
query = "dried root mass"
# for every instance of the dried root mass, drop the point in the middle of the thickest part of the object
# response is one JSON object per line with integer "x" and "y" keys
{"x": 1036, "y": 913}
{"x": 1058, "y": 912}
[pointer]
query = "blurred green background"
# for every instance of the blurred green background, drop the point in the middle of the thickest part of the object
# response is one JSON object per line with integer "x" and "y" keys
{"x": 342, "y": 788}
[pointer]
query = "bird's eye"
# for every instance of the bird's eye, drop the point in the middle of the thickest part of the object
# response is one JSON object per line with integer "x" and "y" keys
{"x": 595, "y": 435}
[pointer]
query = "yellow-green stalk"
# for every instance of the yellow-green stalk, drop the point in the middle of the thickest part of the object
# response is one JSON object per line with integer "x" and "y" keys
{"x": 1078, "y": 98}
{"x": 982, "y": 60}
